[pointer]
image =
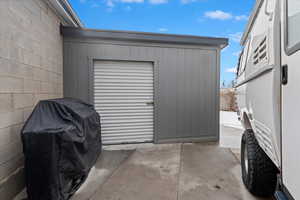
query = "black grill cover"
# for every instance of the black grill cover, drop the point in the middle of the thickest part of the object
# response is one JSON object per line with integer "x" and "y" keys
{"x": 61, "y": 142}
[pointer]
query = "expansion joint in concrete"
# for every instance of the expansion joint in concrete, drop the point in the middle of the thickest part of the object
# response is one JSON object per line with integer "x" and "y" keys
{"x": 179, "y": 171}
{"x": 112, "y": 174}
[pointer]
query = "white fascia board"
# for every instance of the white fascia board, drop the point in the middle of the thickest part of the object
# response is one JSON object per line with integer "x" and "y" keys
{"x": 64, "y": 9}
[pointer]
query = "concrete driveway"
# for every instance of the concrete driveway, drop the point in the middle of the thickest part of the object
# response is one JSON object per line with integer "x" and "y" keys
{"x": 204, "y": 171}
{"x": 166, "y": 172}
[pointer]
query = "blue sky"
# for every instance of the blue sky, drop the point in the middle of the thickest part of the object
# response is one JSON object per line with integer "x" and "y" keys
{"x": 217, "y": 18}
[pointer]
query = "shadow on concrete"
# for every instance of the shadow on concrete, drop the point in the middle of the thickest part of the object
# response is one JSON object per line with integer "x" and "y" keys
{"x": 105, "y": 166}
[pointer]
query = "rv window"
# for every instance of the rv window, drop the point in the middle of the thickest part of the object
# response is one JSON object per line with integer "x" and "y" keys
{"x": 293, "y": 21}
{"x": 245, "y": 57}
{"x": 239, "y": 69}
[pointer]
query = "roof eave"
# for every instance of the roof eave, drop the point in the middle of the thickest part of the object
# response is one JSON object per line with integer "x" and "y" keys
{"x": 66, "y": 12}
{"x": 144, "y": 37}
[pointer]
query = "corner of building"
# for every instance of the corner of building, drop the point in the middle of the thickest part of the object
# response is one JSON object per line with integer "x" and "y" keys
{"x": 31, "y": 69}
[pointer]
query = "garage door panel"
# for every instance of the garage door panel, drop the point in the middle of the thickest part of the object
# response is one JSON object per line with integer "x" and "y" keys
{"x": 125, "y": 74}
{"x": 123, "y": 107}
{"x": 123, "y": 81}
{"x": 122, "y": 110}
{"x": 114, "y": 89}
{"x": 115, "y": 118}
{"x": 127, "y": 95}
{"x": 124, "y": 77}
{"x": 123, "y": 96}
{"x": 136, "y": 114}
{"x": 126, "y": 66}
{"x": 125, "y": 126}
{"x": 126, "y": 140}
{"x": 126, "y": 137}
{"x": 124, "y": 91}
{"x": 137, "y": 128}
{"x": 126, "y": 121}
{"x": 121, "y": 132}
{"x": 124, "y": 85}
{"x": 116, "y": 101}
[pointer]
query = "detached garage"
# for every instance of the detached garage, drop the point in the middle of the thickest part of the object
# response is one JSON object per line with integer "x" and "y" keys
{"x": 146, "y": 87}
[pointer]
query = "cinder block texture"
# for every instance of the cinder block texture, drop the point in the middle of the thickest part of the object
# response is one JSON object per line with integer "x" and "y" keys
{"x": 31, "y": 66}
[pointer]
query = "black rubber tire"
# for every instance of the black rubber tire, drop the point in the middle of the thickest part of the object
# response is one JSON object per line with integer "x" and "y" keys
{"x": 261, "y": 177}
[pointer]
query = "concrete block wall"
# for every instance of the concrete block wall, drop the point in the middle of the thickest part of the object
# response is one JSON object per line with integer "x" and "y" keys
{"x": 31, "y": 66}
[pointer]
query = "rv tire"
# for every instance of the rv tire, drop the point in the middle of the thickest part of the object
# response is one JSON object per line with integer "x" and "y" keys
{"x": 258, "y": 171}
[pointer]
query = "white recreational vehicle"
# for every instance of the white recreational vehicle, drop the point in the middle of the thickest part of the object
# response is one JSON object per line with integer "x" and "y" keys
{"x": 268, "y": 98}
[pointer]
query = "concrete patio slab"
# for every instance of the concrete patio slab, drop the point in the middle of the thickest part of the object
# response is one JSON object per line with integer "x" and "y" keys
{"x": 149, "y": 174}
{"x": 166, "y": 172}
{"x": 204, "y": 171}
{"x": 107, "y": 163}
{"x": 209, "y": 172}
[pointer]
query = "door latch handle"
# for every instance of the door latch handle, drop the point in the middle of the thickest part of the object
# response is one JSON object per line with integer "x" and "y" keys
{"x": 284, "y": 74}
{"x": 150, "y": 103}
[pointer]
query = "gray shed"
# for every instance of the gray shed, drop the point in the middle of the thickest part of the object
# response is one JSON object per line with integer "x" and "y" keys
{"x": 147, "y": 87}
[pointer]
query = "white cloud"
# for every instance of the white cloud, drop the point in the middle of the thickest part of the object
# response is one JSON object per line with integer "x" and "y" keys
{"x": 132, "y": 1}
{"x": 241, "y": 17}
{"x": 95, "y": 5}
{"x": 128, "y": 8}
{"x": 187, "y": 1}
{"x": 162, "y": 29}
{"x": 190, "y": 1}
{"x": 236, "y": 37}
{"x": 222, "y": 15}
{"x": 231, "y": 70}
{"x": 218, "y": 14}
{"x": 110, "y": 3}
{"x": 158, "y": 1}
{"x": 237, "y": 53}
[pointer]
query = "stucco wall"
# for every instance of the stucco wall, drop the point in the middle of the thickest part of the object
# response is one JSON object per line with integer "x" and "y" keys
{"x": 31, "y": 62}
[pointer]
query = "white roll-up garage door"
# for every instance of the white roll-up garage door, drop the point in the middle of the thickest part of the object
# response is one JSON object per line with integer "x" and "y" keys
{"x": 123, "y": 96}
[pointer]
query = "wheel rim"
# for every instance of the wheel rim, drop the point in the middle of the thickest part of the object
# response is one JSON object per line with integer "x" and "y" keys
{"x": 246, "y": 159}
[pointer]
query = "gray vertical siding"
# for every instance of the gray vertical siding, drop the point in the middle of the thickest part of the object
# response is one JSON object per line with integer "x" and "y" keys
{"x": 186, "y": 83}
